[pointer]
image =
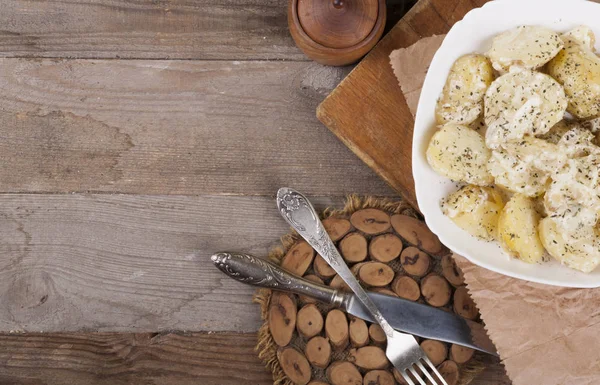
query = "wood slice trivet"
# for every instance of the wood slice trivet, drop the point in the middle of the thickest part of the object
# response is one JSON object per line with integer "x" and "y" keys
{"x": 390, "y": 251}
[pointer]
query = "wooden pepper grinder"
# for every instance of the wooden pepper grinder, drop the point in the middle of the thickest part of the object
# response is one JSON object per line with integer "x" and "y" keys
{"x": 336, "y": 32}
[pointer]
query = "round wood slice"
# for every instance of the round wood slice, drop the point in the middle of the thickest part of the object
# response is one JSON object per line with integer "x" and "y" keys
{"x": 338, "y": 283}
{"x": 384, "y": 290}
{"x": 318, "y": 351}
{"x": 451, "y": 272}
{"x": 416, "y": 232}
{"x": 309, "y": 321}
{"x": 355, "y": 269}
{"x": 406, "y": 287}
{"x": 294, "y": 365}
{"x": 298, "y": 259}
{"x": 398, "y": 377}
{"x": 354, "y": 247}
{"x": 415, "y": 261}
{"x": 464, "y": 305}
{"x": 435, "y": 350}
{"x": 376, "y": 274}
{"x": 461, "y": 354}
{"x": 377, "y": 335}
{"x": 449, "y": 371}
{"x": 368, "y": 357}
{"x": 313, "y": 278}
{"x": 336, "y": 227}
{"x": 435, "y": 290}
{"x": 385, "y": 247}
{"x": 371, "y": 221}
{"x": 282, "y": 318}
{"x": 343, "y": 373}
{"x": 378, "y": 377}
{"x": 359, "y": 332}
{"x": 336, "y": 328}
{"x": 322, "y": 268}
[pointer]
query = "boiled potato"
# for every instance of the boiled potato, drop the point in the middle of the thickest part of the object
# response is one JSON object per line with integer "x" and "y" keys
{"x": 475, "y": 209}
{"x": 459, "y": 153}
{"x": 522, "y": 103}
{"x": 581, "y": 253}
{"x": 462, "y": 97}
{"x": 574, "y": 194}
{"x": 518, "y": 229}
{"x": 526, "y": 167}
{"x": 577, "y": 68}
{"x": 593, "y": 125}
{"x": 578, "y": 142}
{"x": 583, "y": 34}
{"x": 528, "y": 47}
{"x": 558, "y": 130}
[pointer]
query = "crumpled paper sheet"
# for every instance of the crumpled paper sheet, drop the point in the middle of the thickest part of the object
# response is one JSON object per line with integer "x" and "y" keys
{"x": 545, "y": 335}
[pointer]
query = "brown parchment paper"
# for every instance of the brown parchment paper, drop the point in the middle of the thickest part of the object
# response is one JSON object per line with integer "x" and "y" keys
{"x": 545, "y": 335}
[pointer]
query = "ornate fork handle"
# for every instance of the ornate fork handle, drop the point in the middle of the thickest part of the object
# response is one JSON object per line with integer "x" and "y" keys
{"x": 301, "y": 215}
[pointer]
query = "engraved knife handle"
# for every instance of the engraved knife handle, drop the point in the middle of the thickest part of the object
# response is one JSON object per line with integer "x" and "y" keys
{"x": 259, "y": 272}
{"x": 299, "y": 213}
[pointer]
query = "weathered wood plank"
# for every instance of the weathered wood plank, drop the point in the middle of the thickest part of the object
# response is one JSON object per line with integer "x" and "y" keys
{"x": 185, "y": 29}
{"x": 130, "y": 263}
{"x": 123, "y": 359}
{"x": 171, "y": 127}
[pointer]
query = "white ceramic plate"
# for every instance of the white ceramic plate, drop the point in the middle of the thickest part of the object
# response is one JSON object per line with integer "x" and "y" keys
{"x": 474, "y": 34}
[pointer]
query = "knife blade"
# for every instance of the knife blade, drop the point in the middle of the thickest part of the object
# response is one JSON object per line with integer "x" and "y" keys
{"x": 404, "y": 315}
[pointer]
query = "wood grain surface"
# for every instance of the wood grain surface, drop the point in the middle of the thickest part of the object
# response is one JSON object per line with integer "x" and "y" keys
{"x": 368, "y": 112}
{"x": 152, "y": 358}
{"x": 134, "y": 29}
{"x": 172, "y": 127}
{"x": 130, "y": 262}
{"x": 183, "y": 138}
{"x": 126, "y": 359}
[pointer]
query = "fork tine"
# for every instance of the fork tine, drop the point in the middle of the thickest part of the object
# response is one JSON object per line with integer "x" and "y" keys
{"x": 433, "y": 369}
{"x": 407, "y": 378}
{"x": 416, "y": 375}
{"x": 422, "y": 367}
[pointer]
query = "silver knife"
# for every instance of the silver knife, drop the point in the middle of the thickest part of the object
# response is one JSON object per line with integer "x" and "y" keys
{"x": 404, "y": 315}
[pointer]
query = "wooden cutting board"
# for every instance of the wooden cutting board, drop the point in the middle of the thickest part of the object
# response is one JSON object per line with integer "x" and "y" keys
{"x": 367, "y": 111}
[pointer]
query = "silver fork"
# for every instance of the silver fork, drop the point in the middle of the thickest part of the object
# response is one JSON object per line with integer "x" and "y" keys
{"x": 402, "y": 350}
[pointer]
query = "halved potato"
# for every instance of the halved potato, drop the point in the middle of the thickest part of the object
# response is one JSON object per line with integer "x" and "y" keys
{"x": 583, "y": 34}
{"x": 578, "y": 142}
{"x": 558, "y": 130}
{"x": 522, "y": 103}
{"x": 462, "y": 97}
{"x": 581, "y": 253}
{"x": 577, "y": 68}
{"x": 518, "y": 229}
{"x": 574, "y": 194}
{"x": 529, "y": 47}
{"x": 525, "y": 167}
{"x": 476, "y": 210}
{"x": 459, "y": 153}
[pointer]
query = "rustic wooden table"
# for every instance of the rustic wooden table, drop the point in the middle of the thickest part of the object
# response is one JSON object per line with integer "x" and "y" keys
{"x": 137, "y": 137}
